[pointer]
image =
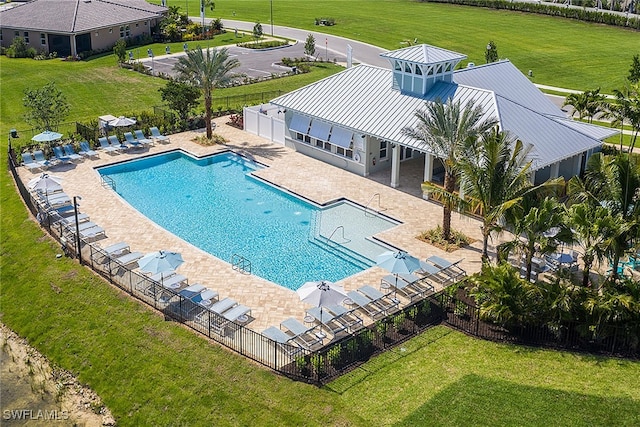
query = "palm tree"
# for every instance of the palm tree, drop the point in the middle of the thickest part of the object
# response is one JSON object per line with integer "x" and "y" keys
{"x": 613, "y": 182}
{"x": 579, "y": 103}
{"x": 595, "y": 103}
{"x": 626, "y": 108}
{"x": 594, "y": 228}
{"x": 496, "y": 178}
{"x": 530, "y": 219}
{"x": 443, "y": 128}
{"x": 207, "y": 72}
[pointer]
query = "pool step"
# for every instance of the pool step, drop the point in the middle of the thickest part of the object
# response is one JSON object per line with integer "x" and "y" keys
{"x": 344, "y": 252}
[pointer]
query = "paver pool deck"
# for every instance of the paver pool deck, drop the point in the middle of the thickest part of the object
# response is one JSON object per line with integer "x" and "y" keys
{"x": 311, "y": 178}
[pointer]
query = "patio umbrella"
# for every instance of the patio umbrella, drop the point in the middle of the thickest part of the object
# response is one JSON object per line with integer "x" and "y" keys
{"x": 322, "y": 293}
{"x": 160, "y": 262}
{"x": 45, "y": 183}
{"x": 552, "y": 232}
{"x": 398, "y": 262}
{"x": 47, "y": 136}
{"x": 122, "y": 121}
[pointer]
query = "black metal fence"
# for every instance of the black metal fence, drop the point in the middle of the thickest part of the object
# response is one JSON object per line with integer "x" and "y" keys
{"x": 237, "y": 102}
{"x": 617, "y": 340}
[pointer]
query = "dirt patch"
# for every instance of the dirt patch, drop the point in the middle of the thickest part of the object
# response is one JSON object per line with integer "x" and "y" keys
{"x": 36, "y": 393}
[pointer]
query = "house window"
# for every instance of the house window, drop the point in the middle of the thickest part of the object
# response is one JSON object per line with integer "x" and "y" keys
{"x": 127, "y": 33}
{"x": 136, "y": 25}
{"x": 407, "y": 68}
{"x": 43, "y": 39}
{"x": 383, "y": 150}
{"x": 26, "y": 37}
{"x": 146, "y": 23}
{"x": 110, "y": 30}
{"x": 16, "y": 33}
{"x": 418, "y": 70}
{"x": 122, "y": 32}
{"x": 344, "y": 152}
{"x": 396, "y": 66}
{"x": 307, "y": 139}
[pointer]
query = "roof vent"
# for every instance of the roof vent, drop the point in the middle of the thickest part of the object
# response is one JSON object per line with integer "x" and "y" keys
{"x": 471, "y": 64}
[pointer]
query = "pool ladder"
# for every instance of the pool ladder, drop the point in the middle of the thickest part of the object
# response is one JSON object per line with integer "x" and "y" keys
{"x": 344, "y": 239}
{"x": 106, "y": 181}
{"x": 367, "y": 206}
{"x": 240, "y": 263}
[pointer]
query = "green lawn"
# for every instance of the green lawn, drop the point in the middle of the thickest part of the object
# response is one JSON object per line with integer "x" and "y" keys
{"x": 149, "y": 371}
{"x": 560, "y": 52}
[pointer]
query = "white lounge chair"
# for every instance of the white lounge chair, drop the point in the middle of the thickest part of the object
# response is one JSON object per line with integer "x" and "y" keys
{"x": 307, "y": 337}
{"x": 388, "y": 303}
{"x": 365, "y": 304}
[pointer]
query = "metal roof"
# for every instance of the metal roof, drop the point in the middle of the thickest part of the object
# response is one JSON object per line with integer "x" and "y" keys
{"x": 552, "y": 139}
{"x": 424, "y": 54}
{"x": 77, "y": 16}
{"x": 594, "y": 131}
{"x": 362, "y": 99}
{"x": 506, "y": 80}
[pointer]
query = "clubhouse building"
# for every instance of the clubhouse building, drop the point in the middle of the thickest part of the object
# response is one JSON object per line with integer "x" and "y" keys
{"x": 70, "y": 27}
{"x": 354, "y": 119}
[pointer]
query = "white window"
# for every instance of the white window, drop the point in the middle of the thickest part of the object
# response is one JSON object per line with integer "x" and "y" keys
{"x": 26, "y": 36}
{"x": 137, "y": 25}
{"x": 127, "y": 33}
{"x": 344, "y": 152}
{"x": 16, "y": 33}
{"x": 43, "y": 39}
{"x": 122, "y": 32}
{"x": 110, "y": 30}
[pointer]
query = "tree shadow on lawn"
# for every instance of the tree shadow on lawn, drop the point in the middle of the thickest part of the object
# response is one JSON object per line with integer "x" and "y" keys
{"x": 475, "y": 400}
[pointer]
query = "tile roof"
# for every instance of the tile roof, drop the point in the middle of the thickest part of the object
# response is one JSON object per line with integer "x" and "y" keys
{"x": 77, "y": 16}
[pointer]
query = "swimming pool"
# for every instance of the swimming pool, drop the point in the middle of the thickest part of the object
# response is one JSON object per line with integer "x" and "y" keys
{"x": 216, "y": 204}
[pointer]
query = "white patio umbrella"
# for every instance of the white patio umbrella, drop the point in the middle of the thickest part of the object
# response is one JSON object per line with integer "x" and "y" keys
{"x": 45, "y": 183}
{"x": 122, "y": 121}
{"x": 47, "y": 136}
{"x": 322, "y": 293}
{"x": 160, "y": 262}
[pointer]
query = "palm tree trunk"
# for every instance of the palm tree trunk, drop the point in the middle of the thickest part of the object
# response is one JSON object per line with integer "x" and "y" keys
{"x": 207, "y": 115}
{"x": 485, "y": 242}
{"x": 449, "y": 185}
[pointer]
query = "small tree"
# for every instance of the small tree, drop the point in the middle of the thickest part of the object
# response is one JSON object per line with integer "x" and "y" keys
{"x": 46, "y": 107}
{"x": 310, "y": 45}
{"x": 491, "y": 54}
{"x": 257, "y": 31}
{"x": 19, "y": 49}
{"x": 180, "y": 97}
{"x": 120, "y": 50}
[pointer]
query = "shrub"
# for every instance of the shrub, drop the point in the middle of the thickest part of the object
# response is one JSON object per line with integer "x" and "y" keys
{"x": 19, "y": 49}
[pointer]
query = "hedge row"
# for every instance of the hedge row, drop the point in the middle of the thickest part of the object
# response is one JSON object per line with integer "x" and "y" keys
{"x": 560, "y": 10}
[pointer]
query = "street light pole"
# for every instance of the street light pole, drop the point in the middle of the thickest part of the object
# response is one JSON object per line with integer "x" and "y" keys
{"x": 271, "y": 5}
{"x": 75, "y": 212}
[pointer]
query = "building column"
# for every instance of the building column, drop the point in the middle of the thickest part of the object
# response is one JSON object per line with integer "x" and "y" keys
{"x": 395, "y": 166}
{"x": 428, "y": 172}
{"x": 555, "y": 170}
{"x": 532, "y": 177}
{"x": 578, "y": 164}
{"x": 461, "y": 185}
{"x": 73, "y": 45}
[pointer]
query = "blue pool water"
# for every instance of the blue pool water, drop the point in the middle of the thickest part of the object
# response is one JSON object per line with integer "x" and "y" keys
{"x": 215, "y": 204}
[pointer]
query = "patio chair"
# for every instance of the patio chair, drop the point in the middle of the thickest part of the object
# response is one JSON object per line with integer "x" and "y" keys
{"x": 239, "y": 313}
{"x": 116, "y": 143}
{"x": 104, "y": 144}
{"x": 384, "y": 300}
{"x": 116, "y": 249}
{"x": 68, "y": 150}
{"x": 60, "y": 156}
{"x": 29, "y": 162}
{"x": 39, "y": 157}
{"x": 128, "y": 136}
{"x": 327, "y": 319}
{"x": 205, "y": 297}
{"x": 91, "y": 233}
{"x": 409, "y": 285}
{"x": 307, "y": 337}
{"x": 365, "y": 304}
{"x": 157, "y": 136}
{"x": 434, "y": 273}
{"x": 55, "y": 200}
{"x": 283, "y": 340}
{"x": 451, "y": 268}
{"x": 129, "y": 258}
{"x": 85, "y": 150}
{"x": 191, "y": 291}
{"x": 141, "y": 138}
{"x": 347, "y": 316}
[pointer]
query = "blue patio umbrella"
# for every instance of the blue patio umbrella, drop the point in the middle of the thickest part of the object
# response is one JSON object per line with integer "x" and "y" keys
{"x": 47, "y": 136}
{"x": 398, "y": 262}
{"x": 160, "y": 262}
